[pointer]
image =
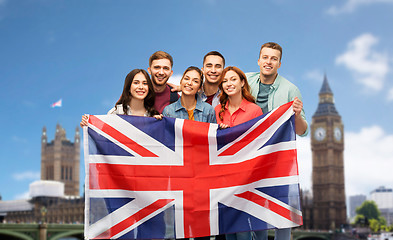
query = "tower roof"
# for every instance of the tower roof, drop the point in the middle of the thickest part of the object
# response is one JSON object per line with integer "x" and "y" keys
{"x": 326, "y": 105}
{"x": 325, "y": 87}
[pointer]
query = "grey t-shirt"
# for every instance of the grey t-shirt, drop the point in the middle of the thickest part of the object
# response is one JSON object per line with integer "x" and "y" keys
{"x": 263, "y": 95}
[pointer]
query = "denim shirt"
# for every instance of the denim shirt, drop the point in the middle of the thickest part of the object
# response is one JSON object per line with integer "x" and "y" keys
{"x": 281, "y": 91}
{"x": 203, "y": 111}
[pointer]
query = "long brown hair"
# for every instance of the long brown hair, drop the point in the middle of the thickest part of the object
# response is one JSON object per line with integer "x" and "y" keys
{"x": 245, "y": 89}
{"x": 126, "y": 97}
{"x": 193, "y": 68}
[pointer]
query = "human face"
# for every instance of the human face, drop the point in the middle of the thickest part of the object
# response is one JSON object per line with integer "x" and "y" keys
{"x": 269, "y": 61}
{"x": 160, "y": 71}
{"x": 139, "y": 88}
{"x": 232, "y": 84}
{"x": 212, "y": 68}
{"x": 190, "y": 83}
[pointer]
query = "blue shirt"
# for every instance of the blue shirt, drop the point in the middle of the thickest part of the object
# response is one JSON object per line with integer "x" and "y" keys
{"x": 281, "y": 91}
{"x": 203, "y": 111}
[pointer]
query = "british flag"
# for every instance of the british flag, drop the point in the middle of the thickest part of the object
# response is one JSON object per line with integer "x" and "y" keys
{"x": 175, "y": 178}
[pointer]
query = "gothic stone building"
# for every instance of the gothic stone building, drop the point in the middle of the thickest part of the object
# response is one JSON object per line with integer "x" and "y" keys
{"x": 328, "y": 210}
{"x": 60, "y": 160}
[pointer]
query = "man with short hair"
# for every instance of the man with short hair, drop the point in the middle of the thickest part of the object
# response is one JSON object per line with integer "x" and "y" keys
{"x": 271, "y": 90}
{"x": 160, "y": 70}
{"x": 213, "y": 65}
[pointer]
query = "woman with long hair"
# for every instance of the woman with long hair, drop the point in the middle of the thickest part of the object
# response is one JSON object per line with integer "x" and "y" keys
{"x": 190, "y": 105}
{"x": 237, "y": 105}
{"x": 137, "y": 98}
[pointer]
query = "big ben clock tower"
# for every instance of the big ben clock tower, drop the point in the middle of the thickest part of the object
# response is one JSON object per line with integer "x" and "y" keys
{"x": 327, "y": 145}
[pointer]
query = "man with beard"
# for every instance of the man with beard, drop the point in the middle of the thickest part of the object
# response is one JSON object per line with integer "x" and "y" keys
{"x": 271, "y": 90}
{"x": 160, "y": 70}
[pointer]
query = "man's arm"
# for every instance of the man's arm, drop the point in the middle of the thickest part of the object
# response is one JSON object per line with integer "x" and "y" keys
{"x": 300, "y": 122}
{"x": 174, "y": 87}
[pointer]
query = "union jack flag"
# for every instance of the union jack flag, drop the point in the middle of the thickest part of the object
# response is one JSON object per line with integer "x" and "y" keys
{"x": 175, "y": 178}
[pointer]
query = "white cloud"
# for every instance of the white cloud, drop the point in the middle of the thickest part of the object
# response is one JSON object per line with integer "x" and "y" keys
{"x": 390, "y": 95}
{"x": 304, "y": 159}
{"x": 314, "y": 75}
{"x": 351, "y": 5}
{"x": 25, "y": 195}
{"x": 368, "y": 66}
{"x": 28, "y": 175}
{"x": 368, "y": 159}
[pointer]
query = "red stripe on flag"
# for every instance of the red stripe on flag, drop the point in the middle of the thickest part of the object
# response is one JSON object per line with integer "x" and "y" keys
{"x": 260, "y": 129}
{"x": 280, "y": 210}
{"x": 196, "y": 198}
{"x": 156, "y": 178}
{"x": 120, "y": 137}
{"x": 138, "y": 216}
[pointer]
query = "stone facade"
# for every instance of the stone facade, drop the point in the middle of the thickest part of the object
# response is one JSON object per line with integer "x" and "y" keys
{"x": 48, "y": 209}
{"x": 327, "y": 145}
{"x": 60, "y": 160}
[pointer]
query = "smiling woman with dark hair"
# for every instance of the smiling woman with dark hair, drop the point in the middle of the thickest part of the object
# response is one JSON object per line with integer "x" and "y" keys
{"x": 137, "y": 98}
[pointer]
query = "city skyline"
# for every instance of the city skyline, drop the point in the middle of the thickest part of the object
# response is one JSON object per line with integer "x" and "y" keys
{"x": 80, "y": 52}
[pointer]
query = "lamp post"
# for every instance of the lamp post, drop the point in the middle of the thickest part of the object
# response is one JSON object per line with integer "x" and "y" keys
{"x": 43, "y": 226}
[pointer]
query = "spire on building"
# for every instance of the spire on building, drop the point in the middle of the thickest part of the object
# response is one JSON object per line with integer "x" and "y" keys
{"x": 44, "y": 138}
{"x": 77, "y": 135}
{"x": 325, "y": 89}
{"x": 326, "y": 101}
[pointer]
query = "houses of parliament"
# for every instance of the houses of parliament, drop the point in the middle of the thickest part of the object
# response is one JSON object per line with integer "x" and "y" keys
{"x": 323, "y": 209}
{"x": 56, "y": 197}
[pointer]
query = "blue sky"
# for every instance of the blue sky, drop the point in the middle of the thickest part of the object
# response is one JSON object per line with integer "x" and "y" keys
{"x": 81, "y": 51}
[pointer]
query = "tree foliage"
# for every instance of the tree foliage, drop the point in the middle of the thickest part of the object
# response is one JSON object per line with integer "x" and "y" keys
{"x": 360, "y": 220}
{"x": 368, "y": 214}
{"x": 369, "y": 210}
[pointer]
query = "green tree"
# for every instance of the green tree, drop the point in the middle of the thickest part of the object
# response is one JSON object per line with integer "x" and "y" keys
{"x": 374, "y": 225}
{"x": 389, "y": 228}
{"x": 360, "y": 220}
{"x": 369, "y": 210}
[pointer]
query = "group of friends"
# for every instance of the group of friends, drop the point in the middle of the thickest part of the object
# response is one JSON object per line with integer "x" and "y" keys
{"x": 226, "y": 96}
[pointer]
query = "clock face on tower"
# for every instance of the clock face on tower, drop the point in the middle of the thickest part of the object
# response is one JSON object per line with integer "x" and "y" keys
{"x": 337, "y": 133}
{"x": 320, "y": 134}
